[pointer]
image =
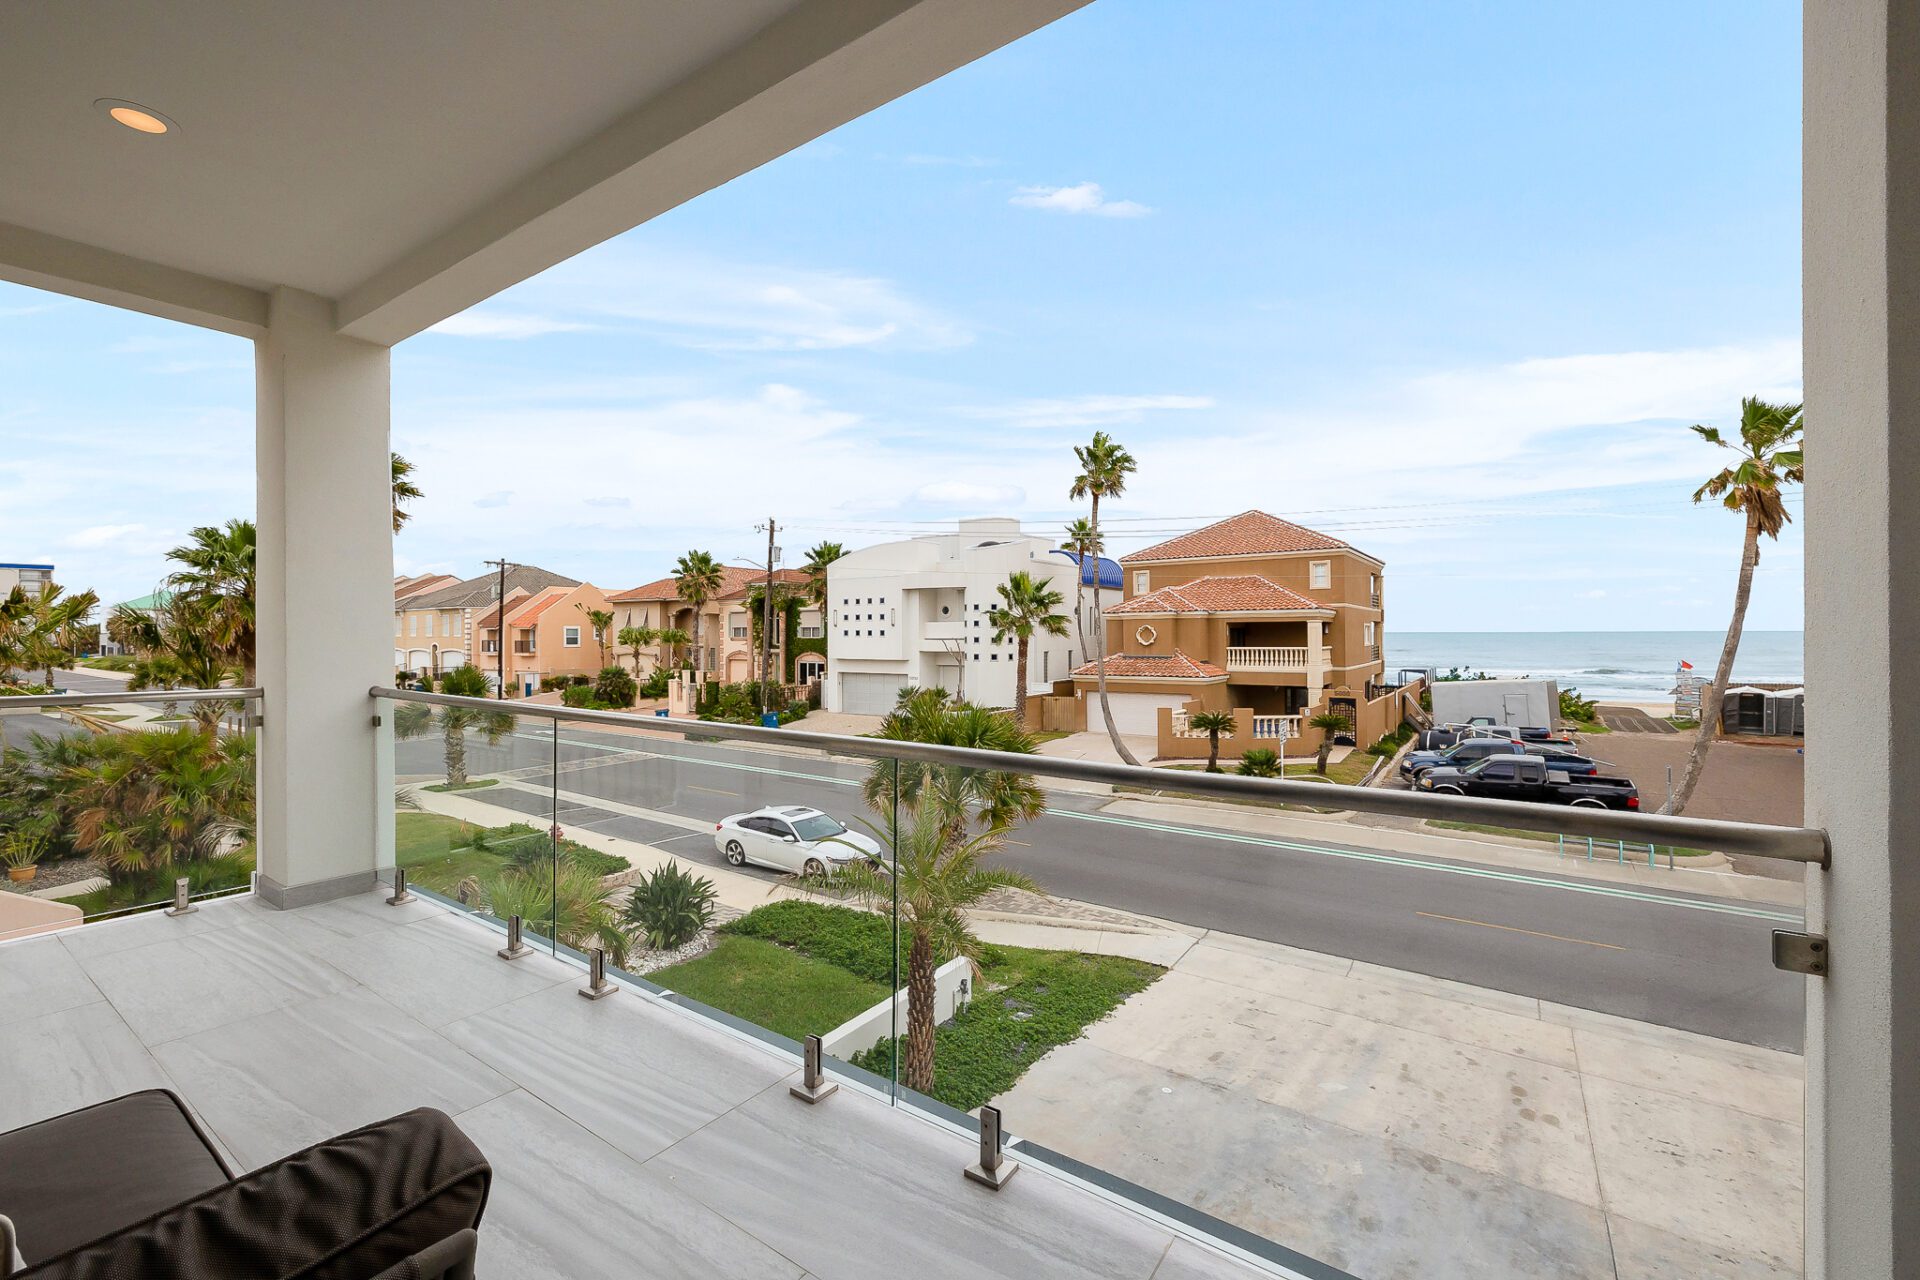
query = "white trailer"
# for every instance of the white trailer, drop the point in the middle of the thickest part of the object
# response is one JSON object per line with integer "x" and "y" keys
{"x": 1524, "y": 704}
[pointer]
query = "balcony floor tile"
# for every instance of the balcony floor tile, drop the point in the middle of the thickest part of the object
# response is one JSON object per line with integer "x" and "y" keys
{"x": 38, "y": 980}
{"x": 444, "y": 968}
{"x": 68, "y": 1059}
{"x": 274, "y": 1083}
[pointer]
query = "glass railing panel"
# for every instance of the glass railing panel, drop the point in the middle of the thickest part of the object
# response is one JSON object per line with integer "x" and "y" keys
{"x": 108, "y": 801}
{"x": 1368, "y": 1040}
{"x": 473, "y": 809}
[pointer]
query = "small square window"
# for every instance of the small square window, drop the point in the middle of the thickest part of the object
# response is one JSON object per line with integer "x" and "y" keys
{"x": 1319, "y": 575}
{"x": 1140, "y": 582}
{"x": 571, "y": 638}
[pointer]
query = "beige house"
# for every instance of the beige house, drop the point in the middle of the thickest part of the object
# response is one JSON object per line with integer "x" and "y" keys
{"x": 727, "y": 638}
{"x": 1252, "y": 614}
{"x": 434, "y": 615}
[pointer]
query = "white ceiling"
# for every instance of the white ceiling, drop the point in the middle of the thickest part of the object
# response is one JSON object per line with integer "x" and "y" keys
{"x": 409, "y": 157}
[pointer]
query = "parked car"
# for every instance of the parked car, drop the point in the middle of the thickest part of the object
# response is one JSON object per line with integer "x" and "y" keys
{"x": 791, "y": 838}
{"x": 1443, "y": 736}
{"x": 1458, "y": 757}
{"x": 1528, "y": 777}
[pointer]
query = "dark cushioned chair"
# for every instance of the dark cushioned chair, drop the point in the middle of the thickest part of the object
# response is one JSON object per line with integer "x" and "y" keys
{"x": 133, "y": 1190}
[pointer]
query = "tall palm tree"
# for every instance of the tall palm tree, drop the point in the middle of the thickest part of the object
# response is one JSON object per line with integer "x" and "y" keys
{"x": 404, "y": 491}
{"x": 1104, "y": 468}
{"x": 697, "y": 576}
{"x": 818, "y": 558}
{"x": 215, "y": 587}
{"x": 635, "y": 639}
{"x": 1770, "y": 455}
{"x": 602, "y": 622}
{"x": 1027, "y": 607}
{"x": 673, "y": 640}
{"x": 934, "y": 876}
{"x": 1083, "y": 540}
{"x": 1213, "y": 724}
{"x": 416, "y": 720}
{"x": 178, "y": 650}
{"x": 40, "y": 639}
{"x": 1330, "y": 724}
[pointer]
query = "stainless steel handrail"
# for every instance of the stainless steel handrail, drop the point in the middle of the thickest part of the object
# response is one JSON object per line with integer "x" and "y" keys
{"x": 145, "y": 695}
{"x": 1787, "y": 844}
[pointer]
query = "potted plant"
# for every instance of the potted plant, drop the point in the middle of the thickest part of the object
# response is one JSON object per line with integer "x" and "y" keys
{"x": 21, "y": 852}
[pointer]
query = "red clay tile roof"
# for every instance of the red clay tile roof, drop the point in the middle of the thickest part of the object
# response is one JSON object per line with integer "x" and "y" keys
{"x": 1145, "y": 666}
{"x": 529, "y": 613}
{"x": 489, "y": 619}
{"x": 1243, "y": 593}
{"x": 736, "y": 580}
{"x": 405, "y": 588}
{"x": 1251, "y": 533}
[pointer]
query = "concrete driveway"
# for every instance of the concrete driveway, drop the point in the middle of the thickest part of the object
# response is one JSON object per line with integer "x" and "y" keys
{"x": 1402, "y": 1126}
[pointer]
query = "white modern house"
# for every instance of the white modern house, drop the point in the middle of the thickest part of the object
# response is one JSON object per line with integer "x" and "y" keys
{"x": 914, "y": 613}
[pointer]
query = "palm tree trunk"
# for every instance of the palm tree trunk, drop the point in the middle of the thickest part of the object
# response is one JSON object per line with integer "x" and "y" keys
{"x": 456, "y": 752}
{"x": 1326, "y": 749}
{"x": 1213, "y": 751}
{"x": 918, "y": 1067}
{"x": 1100, "y": 632}
{"x": 1020, "y": 681}
{"x": 1712, "y": 701}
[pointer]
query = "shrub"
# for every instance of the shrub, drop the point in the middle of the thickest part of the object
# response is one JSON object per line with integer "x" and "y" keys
{"x": 615, "y": 688}
{"x": 670, "y": 906}
{"x": 581, "y": 697}
{"x": 857, "y": 941}
{"x": 798, "y": 711}
{"x": 1259, "y": 762}
{"x": 656, "y": 684}
{"x": 526, "y": 846}
{"x": 1575, "y": 707}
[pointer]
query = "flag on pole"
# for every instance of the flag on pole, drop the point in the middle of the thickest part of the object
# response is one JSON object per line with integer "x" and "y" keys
{"x": 1685, "y": 665}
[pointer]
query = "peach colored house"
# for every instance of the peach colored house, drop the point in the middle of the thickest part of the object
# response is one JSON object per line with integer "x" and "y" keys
{"x": 434, "y": 615}
{"x": 548, "y": 634}
{"x": 1252, "y": 613}
{"x": 728, "y": 650}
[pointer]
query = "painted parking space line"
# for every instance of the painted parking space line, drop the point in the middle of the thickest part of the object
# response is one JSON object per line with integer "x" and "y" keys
{"x": 1407, "y": 861}
{"x": 1508, "y": 928}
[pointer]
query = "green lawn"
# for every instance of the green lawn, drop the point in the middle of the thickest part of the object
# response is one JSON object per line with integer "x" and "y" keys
{"x": 434, "y": 850}
{"x": 768, "y": 968}
{"x": 1348, "y": 772}
{"x": 473, "y": 784}
{"x": 768, "y": 985}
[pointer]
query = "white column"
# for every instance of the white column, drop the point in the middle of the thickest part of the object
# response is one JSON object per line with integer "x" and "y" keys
{"x": 1316, "y": 659}
{"x": 1861, "y": 280}
{"x": 324, "y": 599}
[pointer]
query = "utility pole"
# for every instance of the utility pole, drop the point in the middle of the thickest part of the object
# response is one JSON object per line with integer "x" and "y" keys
{"x": 500, "y": 617}
{"x": 766, "y": 621}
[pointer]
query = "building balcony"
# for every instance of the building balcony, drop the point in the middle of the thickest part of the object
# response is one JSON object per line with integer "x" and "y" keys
{"x": 942, "y": 633}
{"x": 1273, "y": 658}
{"x": 658, "y": 1125}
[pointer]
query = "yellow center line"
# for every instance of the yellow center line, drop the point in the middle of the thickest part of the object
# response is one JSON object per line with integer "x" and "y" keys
{"x": 1532, "y": 933}
{"x": 709, "y": 790}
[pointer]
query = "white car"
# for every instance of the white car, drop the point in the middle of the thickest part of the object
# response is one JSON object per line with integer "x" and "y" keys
{"x": 791, "y": 838}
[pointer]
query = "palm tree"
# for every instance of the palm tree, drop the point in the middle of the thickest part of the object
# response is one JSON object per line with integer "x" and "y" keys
{"x": 1258, "y": 762}
{"x": 934, "y": 877}
{"x": 987, "y": 798}
{"x": 1213, "y": 724}
{"x": 822, "y": 555}
{"x": 1083, "y": 540}
{"x": 1770, "y": 455}
{"x": 1104, "y": 468}
{"x": 40, "y": 636}
{"x": 404, "y": 491}
{"x": 1026, "y": 606}
{"x": 214, "y": 586}
{"x": 697, "y": 576}
{"x": 178, "y": 650}
{"x": 569, "y": 902}
{"x": 16, "y": 607}
{"x": 1329, "y": 723}
{"x": 602, "y": 623}
{"x": 416, "y": 719}
{"x": 674, "y": 639}
{"x": 635, "y": 639}
{"x": 144, "y": 801}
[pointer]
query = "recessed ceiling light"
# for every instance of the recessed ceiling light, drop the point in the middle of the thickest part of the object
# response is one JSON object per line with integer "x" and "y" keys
{"x": 136, "y": 117}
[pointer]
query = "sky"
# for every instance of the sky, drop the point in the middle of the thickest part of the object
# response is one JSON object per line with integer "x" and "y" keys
{"x": 1449, "y": 281}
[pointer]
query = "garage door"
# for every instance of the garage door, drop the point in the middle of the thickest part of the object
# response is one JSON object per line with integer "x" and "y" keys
{"x": 1136, "y": 714}
{"x": 869, "y": 693}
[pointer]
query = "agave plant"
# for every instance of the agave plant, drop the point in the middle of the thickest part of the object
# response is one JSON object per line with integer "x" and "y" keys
{"x": 670, "y": 906}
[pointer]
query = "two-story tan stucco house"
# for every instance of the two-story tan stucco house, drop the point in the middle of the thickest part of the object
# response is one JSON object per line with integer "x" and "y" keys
{"x": 1252, "y": 613}
{"x": 727, "y": 647}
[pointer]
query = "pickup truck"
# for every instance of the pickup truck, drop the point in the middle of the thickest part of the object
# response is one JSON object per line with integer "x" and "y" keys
{"x": 1415, "y": 763}
{"x": 1528, "y": 777}
{"x": 1447, "y": 735}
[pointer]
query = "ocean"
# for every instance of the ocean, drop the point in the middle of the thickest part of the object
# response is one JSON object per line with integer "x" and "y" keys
{"x": 1636, "y": 666}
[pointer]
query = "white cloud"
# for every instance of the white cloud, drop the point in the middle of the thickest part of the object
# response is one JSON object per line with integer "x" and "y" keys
{"x": 693, "y": 300}
{"x": 952, "y": 494}
{"x": 1088, "y": 410}
{"x": 101, "y": 535}
{"x": 487, "y": 323}
{"x": 1085, "y": 197}
{"x": 497, "y": 498}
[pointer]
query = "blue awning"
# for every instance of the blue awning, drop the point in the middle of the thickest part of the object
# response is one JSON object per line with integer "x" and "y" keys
{"x": 1109, "y": 569}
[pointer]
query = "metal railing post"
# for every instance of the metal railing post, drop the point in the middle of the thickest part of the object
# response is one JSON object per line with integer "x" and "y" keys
{"x": 182, "y": 901}
{"x": 515, "y": 948}
{"x": 994, "y": 1169}
{"x": 814, "y": 1084}
{"x": 400, "y": 894}
{"x": 598, "y": 988}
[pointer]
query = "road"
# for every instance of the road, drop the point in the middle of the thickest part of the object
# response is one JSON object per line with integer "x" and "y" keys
{"x": 1679, "y": 959}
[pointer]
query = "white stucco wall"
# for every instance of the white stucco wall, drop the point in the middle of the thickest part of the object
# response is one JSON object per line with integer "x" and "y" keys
{"x": 889, "y": 1017}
